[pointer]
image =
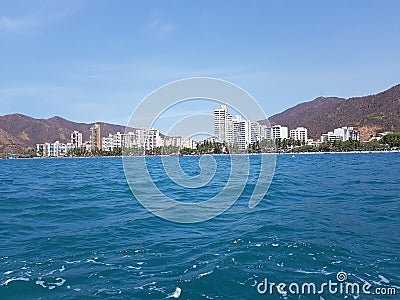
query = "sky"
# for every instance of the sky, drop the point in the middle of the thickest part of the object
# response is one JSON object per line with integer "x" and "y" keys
{"x": 91, "y": 61}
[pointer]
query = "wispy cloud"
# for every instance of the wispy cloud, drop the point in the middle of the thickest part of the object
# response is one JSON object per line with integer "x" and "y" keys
{"x": 159, "y": 26}
{"x": 43, "y": 16}
{"x": 13, "y": 24}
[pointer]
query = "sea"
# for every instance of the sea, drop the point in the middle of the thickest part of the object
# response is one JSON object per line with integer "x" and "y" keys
{"x": 70, "y": 228}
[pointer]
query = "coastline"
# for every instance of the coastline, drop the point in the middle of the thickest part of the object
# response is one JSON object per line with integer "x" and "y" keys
{"x": 233, "y": 154}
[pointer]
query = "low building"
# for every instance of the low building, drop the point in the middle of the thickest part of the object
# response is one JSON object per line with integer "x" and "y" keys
{"x": 299, "y": 134}
{"x": 330, "y": 137}
{"x": 347, "y": 133}
{"x": 276, "y": 132}
{"x": 55, "y": 149}
{"x": 341, "y": 134}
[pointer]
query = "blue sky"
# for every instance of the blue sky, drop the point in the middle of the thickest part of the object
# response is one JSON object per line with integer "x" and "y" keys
{"x": 95, "y": 60}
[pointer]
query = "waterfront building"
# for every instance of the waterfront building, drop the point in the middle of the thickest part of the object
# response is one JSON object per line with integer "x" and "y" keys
{"x": 53, "y": 149}
{"x": 40, "y": 150}
{"x": 241, "y": 133}
{"x": 341, "y": 134}
{"x": 330, "y": 137}
{"x": 299, "y": 134}
{"x": 107, "y": 143}
{"x": 76, "y": 139}
{"x": 95, "y": 137}
{"x": 257, "y": 132}
{"x": 223, "y": 126}
{"x": 179, "y": 142}
{"x": 153, "y": 139}
{"x": 276, "y": 132}
{"x": 347, "y": 133}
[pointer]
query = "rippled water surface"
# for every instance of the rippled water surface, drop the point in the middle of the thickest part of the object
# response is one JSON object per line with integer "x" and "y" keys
{"x": 71, "y": 229}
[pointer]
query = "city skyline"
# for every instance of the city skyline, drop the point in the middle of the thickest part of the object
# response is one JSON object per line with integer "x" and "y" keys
{"x": 62, "y": 58}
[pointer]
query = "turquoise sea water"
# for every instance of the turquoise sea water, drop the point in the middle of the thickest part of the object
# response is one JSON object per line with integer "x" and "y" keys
{"x": 71, "y": 229}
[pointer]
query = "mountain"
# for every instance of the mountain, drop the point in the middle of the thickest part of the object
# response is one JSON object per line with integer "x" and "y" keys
{"x": 379, "y": 112}
{"x": 19, "y": 132}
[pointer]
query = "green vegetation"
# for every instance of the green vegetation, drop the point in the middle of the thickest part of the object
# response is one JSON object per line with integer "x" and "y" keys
{"x": 392, "y": 139}
{"x": 77, "y": 152}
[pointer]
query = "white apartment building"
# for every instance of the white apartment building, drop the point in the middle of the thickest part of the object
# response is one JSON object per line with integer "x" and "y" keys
{"x": 55, "y": 149}
{"x": 140, "y": 138}
{"x": 241, "y": 133}
{"x": 153, "y": 139}
{"x": 348, "y": 133}
{"x": 276, "y": 132}
{"x": 107, "y": 142}
{"x": 341, "y": 134}
{"x": 330, "y": 137}
{"x": 76, "y": 139}
{"x": 179, "y": 142}
{"x": 223, "y": 126}
{"x": 258, "y": 132}
{"x": 299, "y": 134}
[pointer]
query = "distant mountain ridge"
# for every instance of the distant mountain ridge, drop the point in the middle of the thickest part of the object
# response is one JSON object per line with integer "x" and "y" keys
{"x": 379, "y": 112}
{"x": 19, "y": 132}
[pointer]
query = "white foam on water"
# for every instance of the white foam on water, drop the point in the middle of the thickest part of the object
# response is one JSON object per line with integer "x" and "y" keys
{"x": 275, "y": 245}
{"x": 136, "y": 268}
{"x": 176, "y": 294}
{"x": 258, "y": 245}
{"x": 14, "y": 279}
{"x": 60, "y": 282}
{"x": 41, "y": 283}
{"x": 62, "y": 269}
{"x": 204, "y": 274}
{"x": 383, "y": 279}
{"x": 72, "y": 262}
{"x": 140, "y": 263}
{"x": 322, "y": 271}
{"x": 8, "y": 272}
{"x": 358, "y": 277}
{"x": 144, "y": 285}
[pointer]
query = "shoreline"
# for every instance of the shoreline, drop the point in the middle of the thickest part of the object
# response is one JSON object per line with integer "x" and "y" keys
{"x": 234, "y": 154}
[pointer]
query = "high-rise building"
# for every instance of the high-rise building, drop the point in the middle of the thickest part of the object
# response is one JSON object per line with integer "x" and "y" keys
{"x": 95, "y": 137}
{"x": 223, "y": 127}
{"x": 241, "y": 133}
{"x": 299, "y": 134}
{"x": 257, "y": 132}
{"x": 76, "y": 139}
{"x": 153, "y": 139}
